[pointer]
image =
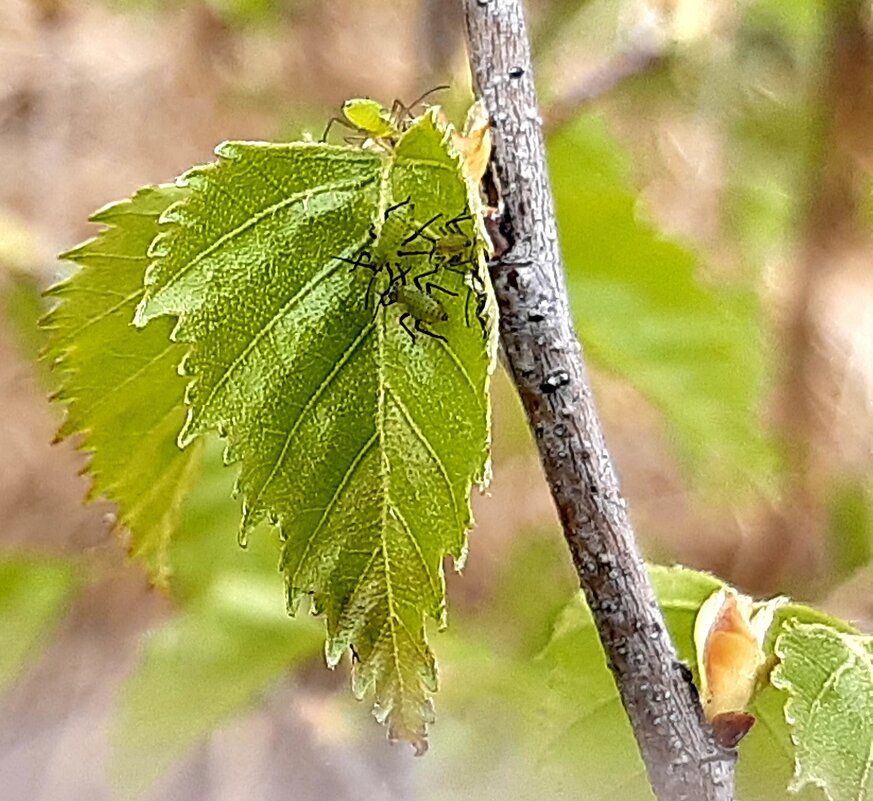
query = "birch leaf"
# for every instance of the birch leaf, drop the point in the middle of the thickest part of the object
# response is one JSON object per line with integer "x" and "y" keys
{"x": 358, "y": 438}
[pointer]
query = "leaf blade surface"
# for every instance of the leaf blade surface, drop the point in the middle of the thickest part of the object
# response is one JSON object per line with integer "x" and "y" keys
{"x": 828, "y": 675}
{"x": 119, "y": 384}
{"x": 359, "y": 439}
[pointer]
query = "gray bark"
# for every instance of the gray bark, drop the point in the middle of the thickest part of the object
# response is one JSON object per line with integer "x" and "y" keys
{"x": 544, "y": 356}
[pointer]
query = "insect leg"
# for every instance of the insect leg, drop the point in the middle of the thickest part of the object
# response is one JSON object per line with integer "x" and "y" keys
{"x": 370, "y": 289}
{"x": 475, "y": 278}
{"x": 358, "y": 260}
{"x": 398, "y": 111}
{"x": 388, "y": 297}
{"x": 453, "y": 226}
{"x": 330, "y": 123}
{"x": 417, "y": 279}
{"x": 420, "y": 231}
{"x": 397, "y": 206}
{"x": 419, "y": 326}
{"x": 480, "y": 310}
{"x": 428, "y": 286}
{"x": 406, "y": 316}
{"x": 453, "y": 266}
{"x": 401, "y": 276}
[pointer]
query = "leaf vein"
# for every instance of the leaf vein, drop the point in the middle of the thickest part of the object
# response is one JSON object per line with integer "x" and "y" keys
{"x": 323, "y": 385}
{"x": 255, "y": 219}
{"x": 408, "y": 531}
{"x": 438, "y": 462}
{"x": 347, "y": 476}
{"x": 832, "y": 679}
{"x": 91, "y": 321}
{"x": 463, "y": 371}
{"x": 106, "y": 396}
{"x": 274, "y": 320}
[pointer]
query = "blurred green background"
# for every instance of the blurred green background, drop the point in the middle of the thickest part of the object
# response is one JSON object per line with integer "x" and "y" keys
{"x": 712, "y": 168}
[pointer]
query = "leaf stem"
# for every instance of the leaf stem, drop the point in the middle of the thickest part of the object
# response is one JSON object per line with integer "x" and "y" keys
{"x": 544, "y": 356}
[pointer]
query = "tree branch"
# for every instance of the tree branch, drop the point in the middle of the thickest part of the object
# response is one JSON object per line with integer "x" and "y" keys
{"x": 544, "y": 356}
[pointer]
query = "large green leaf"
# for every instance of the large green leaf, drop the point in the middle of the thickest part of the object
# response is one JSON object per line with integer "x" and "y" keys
{"x": 642, "y": 311}
{"x": 34, "y": 595}
{"x": 359, "y": 443}
{"x": 828, "y": 675}
{"x": 119, "y": 384}
{"x": 850, "y": 530}
{"x": 582, "y": 713}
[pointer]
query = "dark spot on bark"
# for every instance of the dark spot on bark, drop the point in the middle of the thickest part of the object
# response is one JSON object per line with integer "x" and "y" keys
{"x": 554, "y": 381}
{"x": 496, "y": 235}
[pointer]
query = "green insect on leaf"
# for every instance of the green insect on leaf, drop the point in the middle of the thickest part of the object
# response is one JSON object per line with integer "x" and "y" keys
{"x": 369, "y": 117}
{"x": 375, "y": 123}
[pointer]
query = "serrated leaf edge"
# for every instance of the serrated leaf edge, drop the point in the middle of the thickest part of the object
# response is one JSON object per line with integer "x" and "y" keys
{"x": 802, "y": 776}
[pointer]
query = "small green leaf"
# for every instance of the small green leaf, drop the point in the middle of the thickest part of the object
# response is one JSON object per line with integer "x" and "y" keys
{"x": 119, "y": 384}
{"x": 767, "y": 754}
{"x": 766, "y": 760}
{"x": 828, "y": 675}
{"x": 359, "y": 443}
{"x": 34, "y": 595}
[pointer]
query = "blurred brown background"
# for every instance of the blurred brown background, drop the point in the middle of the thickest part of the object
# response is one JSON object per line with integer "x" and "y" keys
{"x": 98, "y": 98}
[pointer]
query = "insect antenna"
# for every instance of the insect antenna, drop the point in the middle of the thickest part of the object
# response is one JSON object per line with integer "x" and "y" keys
{"x": 396, "y": 206}
{"x": 428, "y": 93}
